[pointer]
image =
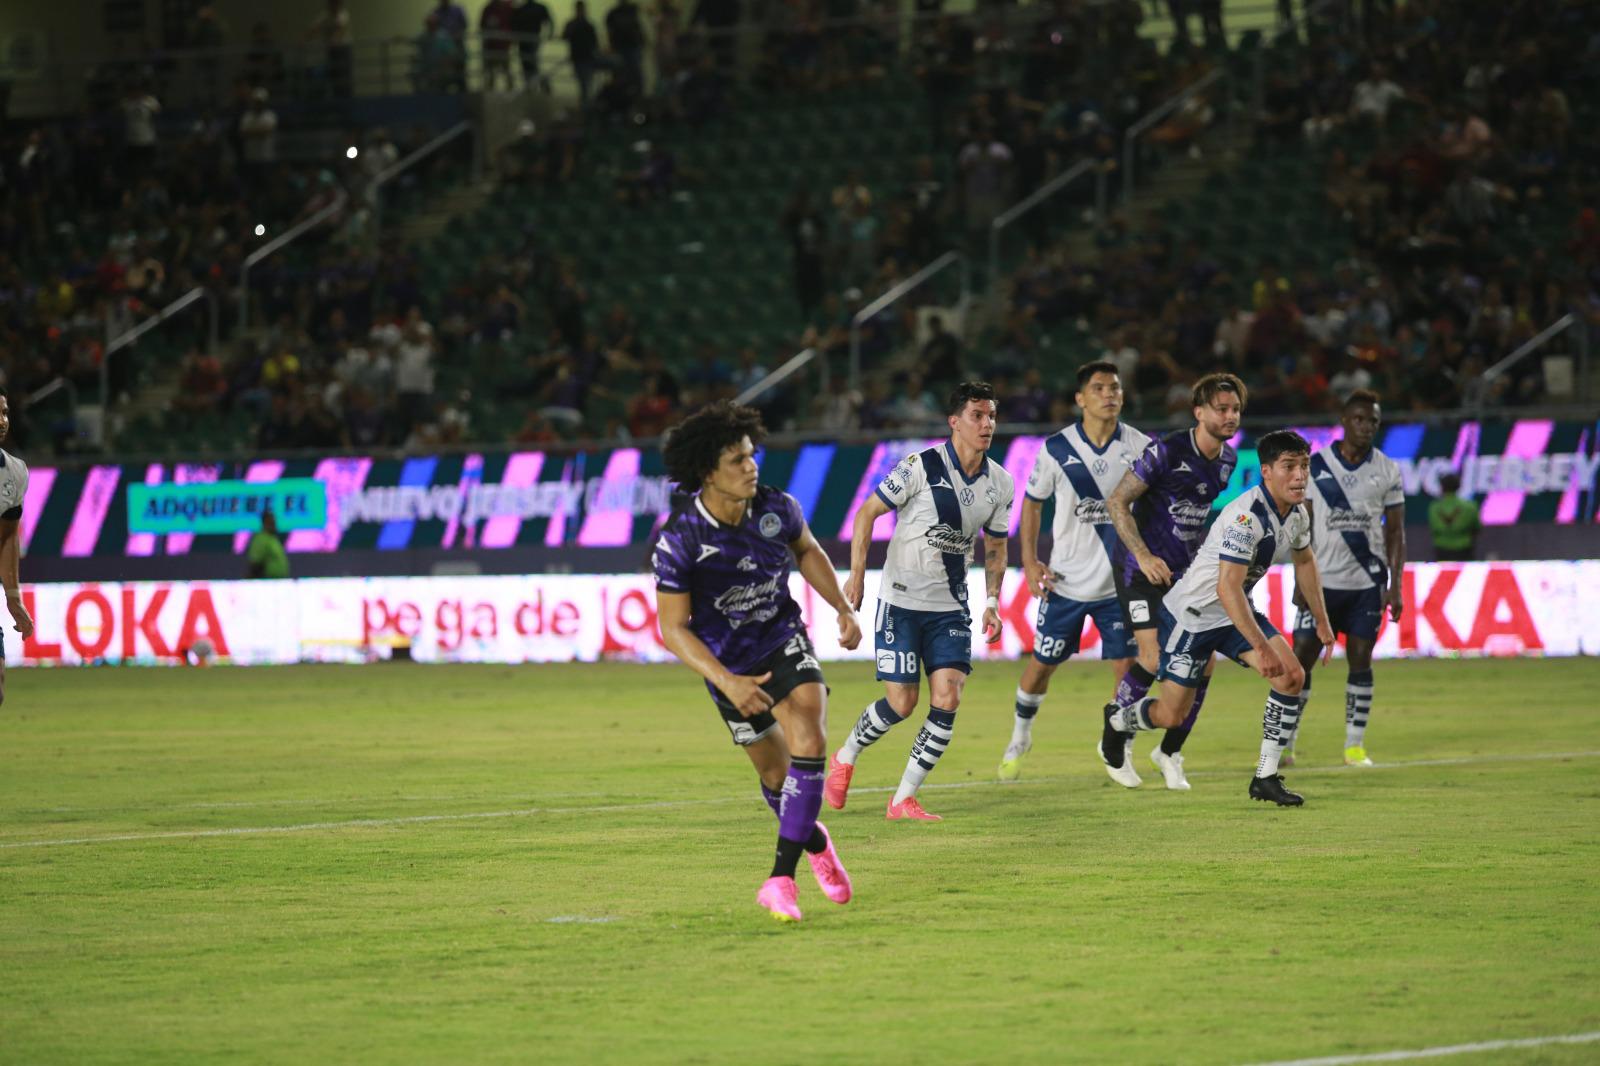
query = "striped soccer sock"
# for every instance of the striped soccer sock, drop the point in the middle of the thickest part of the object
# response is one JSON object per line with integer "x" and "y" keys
{"x": 1022, "y": 725}
{"x": 1135, "y": 717}
{"x": 1278, "y": 723}
{"x": 874, "y": 722}
{"x": 1305, "y": 698}
{"x": 932, "y": 740}
{"x": 1357, "y": 706}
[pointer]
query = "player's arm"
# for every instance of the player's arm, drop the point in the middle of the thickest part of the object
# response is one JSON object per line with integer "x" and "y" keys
{"x": 11, "y": 574}
{"x": 1129, "y": 489}
{"x": 1308, "y": 580}
{"x": 817, "y": 569}
{"x": 994, "y": 574}
{"x": 1033, "y": 568}
{"x": 1230, "y": 592}
{"x": 1394, "y": 547}
{"x": 745, "y": 693}
{"x": 860, "y": 541}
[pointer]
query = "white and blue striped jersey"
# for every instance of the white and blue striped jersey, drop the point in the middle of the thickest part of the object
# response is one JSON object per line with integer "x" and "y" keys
{"x": 1347, "y": 516}
{"x": 1248, "y": 531}
{"x": 13, "y": 485}
{"x": 1081, "y": 478}
{"x": 941, "y": 511}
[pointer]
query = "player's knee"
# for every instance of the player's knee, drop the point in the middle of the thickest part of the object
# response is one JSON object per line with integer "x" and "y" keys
{"x": 903, "y": 701}
{"x": 947, "y": 696}
{"x": 1293, "y": 680}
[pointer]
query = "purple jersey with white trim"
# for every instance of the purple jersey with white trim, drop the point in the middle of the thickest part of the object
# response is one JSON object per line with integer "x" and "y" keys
{"x": 1181, "y": 485}
{"x": 737, "y": 577}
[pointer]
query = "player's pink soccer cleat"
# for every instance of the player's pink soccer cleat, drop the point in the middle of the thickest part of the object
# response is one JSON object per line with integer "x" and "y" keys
{"x": 831, "y": 877}
{"x": 837, "y": 786}
{"x": 778, "y": 896}
{"x": 910, "y": 811}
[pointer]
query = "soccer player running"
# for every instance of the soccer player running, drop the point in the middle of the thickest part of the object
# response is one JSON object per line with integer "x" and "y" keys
{"x": 1159, "y": 512}
{"x": 13, "y": 488}
{"x": 722, "y": 594}
{"x": 944, "y": 496}
{"x": 1080, "y": 467}
{"x": 1355, "y": 492}
{"x": 1209, "y": 611}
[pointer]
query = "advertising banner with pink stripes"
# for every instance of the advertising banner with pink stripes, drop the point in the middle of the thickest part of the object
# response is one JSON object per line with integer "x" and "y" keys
{"x": 1471, "y": 609}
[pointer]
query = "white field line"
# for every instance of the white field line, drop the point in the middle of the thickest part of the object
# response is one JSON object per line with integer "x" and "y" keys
{"x": 1441, "y": 1052}
{"x": 528, "y": 812}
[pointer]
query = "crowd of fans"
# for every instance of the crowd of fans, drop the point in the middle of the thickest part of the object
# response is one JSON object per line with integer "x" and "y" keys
{"x": 1436, "y": 136}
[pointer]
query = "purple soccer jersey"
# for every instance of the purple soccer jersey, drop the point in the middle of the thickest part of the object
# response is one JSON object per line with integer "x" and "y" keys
{"x": 1172, "y": 513}
{"x": 737, "y": 577}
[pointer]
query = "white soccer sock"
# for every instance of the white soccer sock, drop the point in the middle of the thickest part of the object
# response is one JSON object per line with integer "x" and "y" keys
{"x": 1022, "y": 723}
{"x": 1135, "y": 717}
{"x": 1357, "y": 706}
{"x": 874, "y": 722}
{"x": 932, "y": 740}
{"x": 1278, "y": 723}
{"x": 1304, "y": 698}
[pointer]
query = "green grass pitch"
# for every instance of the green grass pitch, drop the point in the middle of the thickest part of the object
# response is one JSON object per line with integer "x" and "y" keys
{"x": 558, "y": 864}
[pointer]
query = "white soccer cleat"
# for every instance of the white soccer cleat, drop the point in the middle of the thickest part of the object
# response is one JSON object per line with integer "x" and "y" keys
{"x": 1171, "y": 767}
{"x": 1124, "y": 774}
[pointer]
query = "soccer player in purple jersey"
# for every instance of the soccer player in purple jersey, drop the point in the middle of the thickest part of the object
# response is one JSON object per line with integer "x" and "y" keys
{"x": 722, "y": 593}
{"x": 1160, "y": 511}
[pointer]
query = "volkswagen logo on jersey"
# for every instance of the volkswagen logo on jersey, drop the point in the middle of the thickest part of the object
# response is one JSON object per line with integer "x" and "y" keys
{"x": 967, "y": 496}
{"x": 771, "y": 525}
{"x": 1100, "y": 467}
{"x": 948, "y": 539}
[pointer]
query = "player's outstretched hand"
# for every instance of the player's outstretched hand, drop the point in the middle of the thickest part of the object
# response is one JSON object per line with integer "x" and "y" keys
{"x": 1039, "y": 579}
{"x": 1395, "y": 601}
{"x": 854, "y": 589}
{"x": 20, "y": 615}
{"x": 747, "y": 695}
{"x": 991, "y": 625}
{"x": 1156, "y": 570}
{"x": 849, "y": 630}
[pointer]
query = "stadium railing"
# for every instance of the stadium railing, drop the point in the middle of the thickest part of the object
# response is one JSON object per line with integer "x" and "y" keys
{"x": 1567, "y": 323}
{"x": 374, "y": 189}
{"x": 287, "y": 237}
{"x": 1060, "y": 182}
{"x": 791, "y": 366}
{"x": 938, "y": 266}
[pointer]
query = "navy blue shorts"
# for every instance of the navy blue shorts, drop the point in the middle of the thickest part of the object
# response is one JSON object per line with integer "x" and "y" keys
{"x": 911, "y": 642}
{"x": 1185, "y": 652}
{"x": 1353, "y": 612}
{"x": 1060, "y": 628}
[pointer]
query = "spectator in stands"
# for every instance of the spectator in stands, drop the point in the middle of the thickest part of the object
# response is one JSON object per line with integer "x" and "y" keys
{"x": 139, "y": 111}
{"x": 414, "y": 370}
{"x": 985, "y": 166}
{"x": 583, "y": 50}
{"x": 625, "y": 36}
{"x": 839, "y": 409}
{"x": 804, "y": 225}
{"x": 258, "y": 132}
{"x": 331, "y": 29}
{"x": 915, "y": 407}
{"x": 495, "y": 25}
{"x": 200, "y": 383}
{"x": 1454, "y": 522}
{"x": 1351, "y": 376}
{"x": 533, "y": 24}
{"x": 942, "y": 354}
{"x": 207, "y": 34}
{"x": 1374, "y": 95}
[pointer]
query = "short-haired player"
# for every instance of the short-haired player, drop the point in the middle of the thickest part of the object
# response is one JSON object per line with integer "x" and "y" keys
{"x": 945, "y": 496}
{"x": 1359, "y": 535}
{"x": 1208, "y": 611}
{"x": 1078, "y": 468}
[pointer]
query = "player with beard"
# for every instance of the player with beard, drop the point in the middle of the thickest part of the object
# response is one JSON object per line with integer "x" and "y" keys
{"x": 722, "y": 593}
{"x": 1159, "y": 512}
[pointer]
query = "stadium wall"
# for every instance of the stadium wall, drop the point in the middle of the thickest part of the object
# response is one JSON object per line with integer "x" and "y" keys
{"x": 1467, "y": 609}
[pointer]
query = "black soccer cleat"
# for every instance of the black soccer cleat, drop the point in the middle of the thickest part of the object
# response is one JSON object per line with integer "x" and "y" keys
{"x": 1112, "y": 741}
{"x": 1271, "y": 788}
